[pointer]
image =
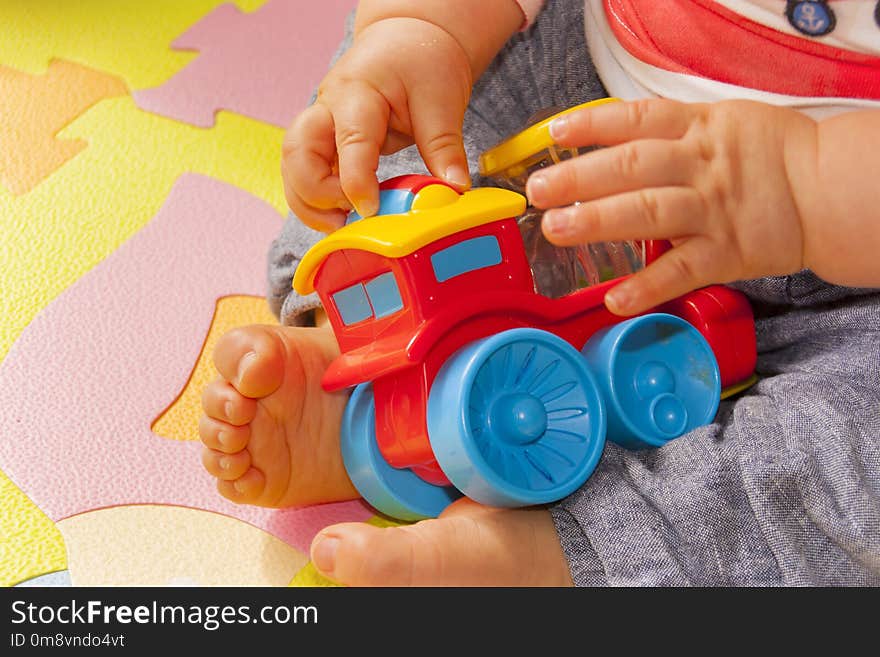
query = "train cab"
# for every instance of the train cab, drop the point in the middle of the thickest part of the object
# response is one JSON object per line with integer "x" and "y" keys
{"x": 383, "y": 278}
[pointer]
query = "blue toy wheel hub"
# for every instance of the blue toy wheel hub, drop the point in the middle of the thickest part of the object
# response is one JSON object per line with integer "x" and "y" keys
{"x": 654, "y": 378}
{"x": 668, "y": 415}
{"x": 518, "y": 418}
{"x": 659, "y": 379}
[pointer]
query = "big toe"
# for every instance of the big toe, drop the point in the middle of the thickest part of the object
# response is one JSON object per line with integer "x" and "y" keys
{"x": 252, "y": 359}
{"x": 426, "y": 554}
{"x": 469, "y": 545}
{"x": 361, "y": 555}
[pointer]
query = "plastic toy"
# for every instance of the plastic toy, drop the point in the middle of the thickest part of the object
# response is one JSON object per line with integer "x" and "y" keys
{"x": 557, "y": 270}
{"x": 470, "y": 381}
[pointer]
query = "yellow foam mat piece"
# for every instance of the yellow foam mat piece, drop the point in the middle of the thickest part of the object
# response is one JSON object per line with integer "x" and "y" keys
{"x": 154, "y": 545}
{"x": 129, "y": 38}
{"x": 180, "y": 420}
{"x": 97, "y": 200}
{"x": 30, "y": 544}
{"x": 309, "y": 575}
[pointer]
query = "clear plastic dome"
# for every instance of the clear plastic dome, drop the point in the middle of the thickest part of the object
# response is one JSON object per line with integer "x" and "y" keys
{"x": 557, "y": 271}
{"x": 561, "y": 270}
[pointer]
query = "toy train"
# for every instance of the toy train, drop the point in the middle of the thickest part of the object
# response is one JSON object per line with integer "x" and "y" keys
{"x": 469, "y": 381}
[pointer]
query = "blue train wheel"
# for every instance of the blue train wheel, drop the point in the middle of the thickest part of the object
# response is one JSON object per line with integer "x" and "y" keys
{"x": 516, "y": 419}
{"x": 659, "y": 378}
{"x": 398, "y": 493}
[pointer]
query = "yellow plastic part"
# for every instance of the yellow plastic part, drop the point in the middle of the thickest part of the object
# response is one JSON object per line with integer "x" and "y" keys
{"x": 739, "y": 387}
{"x": 398, "y": 235}
{"x": 434, "y": 196}
{"x": 527, "y": 143}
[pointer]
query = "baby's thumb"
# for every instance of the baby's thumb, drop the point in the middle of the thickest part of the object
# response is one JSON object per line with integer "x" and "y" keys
{"x": 437, "y": 132}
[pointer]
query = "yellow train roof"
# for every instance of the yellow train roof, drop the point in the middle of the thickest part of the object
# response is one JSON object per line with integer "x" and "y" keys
{"x": 437, "y": 211}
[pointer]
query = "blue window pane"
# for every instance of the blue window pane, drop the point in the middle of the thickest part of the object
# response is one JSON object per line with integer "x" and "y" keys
{"x": 353, "y": 304}
{"x": 466, "y": 256}
{"x": 384, "y": 295}
{"x": 391, "y": 201}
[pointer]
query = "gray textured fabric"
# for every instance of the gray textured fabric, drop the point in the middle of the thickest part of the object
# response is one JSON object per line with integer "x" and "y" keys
{"x": 784, "y": 488}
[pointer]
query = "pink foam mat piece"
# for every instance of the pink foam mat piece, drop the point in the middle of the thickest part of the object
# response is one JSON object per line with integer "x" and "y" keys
{"x": 82, "y": 385}
{"x": 264, "y": 65}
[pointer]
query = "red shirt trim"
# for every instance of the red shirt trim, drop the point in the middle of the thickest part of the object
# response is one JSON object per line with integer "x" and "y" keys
{"x": 703, "y": 38}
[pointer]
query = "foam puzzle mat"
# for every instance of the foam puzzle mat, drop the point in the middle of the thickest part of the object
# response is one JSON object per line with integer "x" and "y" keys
{"x": 139, "y": 192}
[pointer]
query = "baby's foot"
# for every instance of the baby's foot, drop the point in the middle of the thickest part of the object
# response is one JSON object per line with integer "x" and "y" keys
{"x": 468, "y": 545}
{"x": 271, "y": 432}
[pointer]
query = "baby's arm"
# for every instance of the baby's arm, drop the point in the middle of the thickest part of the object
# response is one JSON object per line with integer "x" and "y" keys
{"x": 406, "y": 78}
{"x": 741, "y": 189}
{"x": 836, "y": 184}
{"x": 480, "y": 28}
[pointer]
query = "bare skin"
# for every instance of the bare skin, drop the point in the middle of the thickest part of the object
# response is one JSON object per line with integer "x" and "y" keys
{"x": 271, "y": 433}
{"x": 271, "y": 438}
{"x": 406, "y": 79}
{"x": 741, "y": 189}
{"x": 468, "y": 545}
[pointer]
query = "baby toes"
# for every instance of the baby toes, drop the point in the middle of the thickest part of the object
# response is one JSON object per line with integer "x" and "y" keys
{"x": 227, "y": 467}
{"x": 252, "y": 358}
{"x": 247, "y": 489}
{"x": 223, "y": 402}
{"x": 223, "y": 437}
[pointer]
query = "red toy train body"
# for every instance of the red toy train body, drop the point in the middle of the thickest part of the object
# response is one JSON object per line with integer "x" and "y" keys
{"x": 406, "y": 292}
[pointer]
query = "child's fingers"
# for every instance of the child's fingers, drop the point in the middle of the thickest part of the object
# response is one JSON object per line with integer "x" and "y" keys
{"x": 684, "y": 268}
{"x": 395, "y": 141}
{"x": 646, "y": 214}
{"x": 308, "y": 157}
{"x": 615, "y": 123}
{"x": 437, "y": 125}
{"x": 627, "y": 167}
{"x": 361, "y": 119}
{"x": 322, "y": 220}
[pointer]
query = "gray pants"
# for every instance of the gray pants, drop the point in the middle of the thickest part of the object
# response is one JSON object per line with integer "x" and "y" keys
{"x": 784, "y": 487}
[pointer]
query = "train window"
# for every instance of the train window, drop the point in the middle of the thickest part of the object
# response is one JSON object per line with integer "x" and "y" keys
{"x": 466, "y": 256}
{"x": 384, "y": 295}
{"x": 352, "y": 304}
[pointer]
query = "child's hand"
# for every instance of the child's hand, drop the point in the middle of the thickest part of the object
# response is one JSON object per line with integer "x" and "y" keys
{"x": 402, "y": 79}
{"x": 468, "y": 545}
{"x": 714, "y": 179}
{"x": 406, "y": 79}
